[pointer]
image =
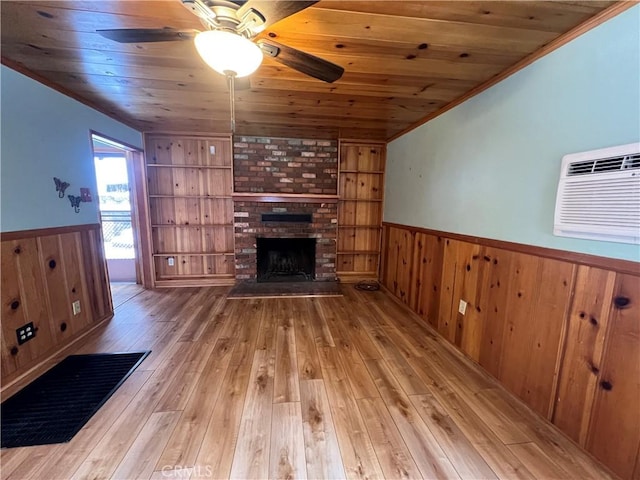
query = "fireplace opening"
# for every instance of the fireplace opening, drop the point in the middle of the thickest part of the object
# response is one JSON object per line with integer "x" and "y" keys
{"x": 286, "y": 259}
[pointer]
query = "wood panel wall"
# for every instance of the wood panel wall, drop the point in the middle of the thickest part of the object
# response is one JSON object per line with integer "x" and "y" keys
{"x": 560, "y": 331}
{"x": 43, "y": 273}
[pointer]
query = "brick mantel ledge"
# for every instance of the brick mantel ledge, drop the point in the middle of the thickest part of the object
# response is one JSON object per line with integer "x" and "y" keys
{"x": 284, "y": 197}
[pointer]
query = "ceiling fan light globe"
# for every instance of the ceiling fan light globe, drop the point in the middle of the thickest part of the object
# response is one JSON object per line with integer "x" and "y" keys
{"x": 228, "y": 52}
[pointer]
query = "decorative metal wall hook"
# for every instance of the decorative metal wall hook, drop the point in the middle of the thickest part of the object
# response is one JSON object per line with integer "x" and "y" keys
{"x": 60, "y": 186}
{"x": 75, "y": 202}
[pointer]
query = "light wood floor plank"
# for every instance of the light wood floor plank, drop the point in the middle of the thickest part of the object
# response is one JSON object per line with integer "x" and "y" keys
{"x": 184, "y": 444}
{"x": 113, "y": 446}
{"x": 286, "y": 385}
{"x": 219, "y": 442}
{"x": 122, "y": 292}
{"x": 463, "y": 456}
{"x": 251, "y": 457}
{"x": 320, "y": 441}
{"x": 539, "y": 463}
{"x": 141, "y": 458}
{"x": 392, "y": 453}
{"x": 287, "y": 459}
{"x": 426, "y": 451}
{"x": 495, "y": 453}
{"x": 358, "y": 456}
{"x": 344, "y": 387}
{"x": 306, "y": 352}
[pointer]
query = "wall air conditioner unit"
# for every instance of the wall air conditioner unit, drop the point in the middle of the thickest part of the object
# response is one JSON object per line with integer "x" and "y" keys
{"x": 599, "y": 195}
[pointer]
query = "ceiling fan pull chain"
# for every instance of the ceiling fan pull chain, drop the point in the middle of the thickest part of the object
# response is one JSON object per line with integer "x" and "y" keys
{"x": 232, "y": 98}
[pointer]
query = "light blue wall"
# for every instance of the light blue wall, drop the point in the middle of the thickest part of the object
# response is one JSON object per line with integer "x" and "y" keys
{"x": 490, "y": 166}
{"x": 45, "y": 134}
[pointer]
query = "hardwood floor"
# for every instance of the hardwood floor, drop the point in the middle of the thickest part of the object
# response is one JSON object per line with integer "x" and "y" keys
{"x": 319, "y": 388}
{"x": 124, "y": 291}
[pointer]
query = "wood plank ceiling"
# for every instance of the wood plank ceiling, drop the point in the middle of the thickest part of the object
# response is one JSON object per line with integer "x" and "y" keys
{"x": 403, "y": 59}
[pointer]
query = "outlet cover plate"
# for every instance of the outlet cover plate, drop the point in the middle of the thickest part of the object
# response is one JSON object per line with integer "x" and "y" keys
{"x": 76, "y": 307}
{"x": 25, "y": 333}
{"x": 462, "y": 307}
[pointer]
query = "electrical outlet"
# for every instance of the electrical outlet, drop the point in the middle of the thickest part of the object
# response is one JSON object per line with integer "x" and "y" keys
{"x": 462, "y": 307}
{"x": 76, "y": 307}
{"x": 212, "y": 149}
{"x": 25, "y": 333}
{"x": 171, "y": 262}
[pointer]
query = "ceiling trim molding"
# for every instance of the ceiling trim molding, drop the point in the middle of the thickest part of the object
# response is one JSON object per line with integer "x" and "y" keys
{"x": 20, "y": 68}
{"x": 606, "y": 14}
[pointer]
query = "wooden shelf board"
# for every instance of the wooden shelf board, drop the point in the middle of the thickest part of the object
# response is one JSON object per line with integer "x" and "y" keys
{"x": 191, "y": 254}
{"x": 285, "y": 197}
{"x": 204, "y": 275}
{"x": 355, "y": 277}
{"x": 206, "y": 167}
{"x": 360, "y": 252}
{"x": 361, "y": 200}
{"x": 212, "y": 197}
{"x": 362, "y": 171}
{"x": 377, "y": 227}
{"x": 192, "y": 225}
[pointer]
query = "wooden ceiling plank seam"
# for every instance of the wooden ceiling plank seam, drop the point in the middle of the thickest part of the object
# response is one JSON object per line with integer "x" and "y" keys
{"x": 610, "y": 12}
{"x": 390, "y": 86}
{"x": 418, "y": 30}
{"x": 529, "y": 14}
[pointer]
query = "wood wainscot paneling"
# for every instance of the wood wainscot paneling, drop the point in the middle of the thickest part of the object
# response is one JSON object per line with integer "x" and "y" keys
{"x": 559, "y": 330}
{"x": 43, "y": 273}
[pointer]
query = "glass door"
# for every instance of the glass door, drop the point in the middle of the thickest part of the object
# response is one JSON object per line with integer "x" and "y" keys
{"x": 115, "y": 213}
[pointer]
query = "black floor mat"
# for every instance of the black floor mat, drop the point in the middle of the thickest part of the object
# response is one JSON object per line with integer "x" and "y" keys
{"x": 55, "y": 406}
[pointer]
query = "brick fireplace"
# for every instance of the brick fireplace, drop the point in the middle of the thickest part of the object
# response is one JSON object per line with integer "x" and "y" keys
{"x": 285, "y": 188}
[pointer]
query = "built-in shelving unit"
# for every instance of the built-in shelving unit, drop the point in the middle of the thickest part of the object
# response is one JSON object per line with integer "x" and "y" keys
{"x": 361, "y": 188}
{"x": 190, "y": 186}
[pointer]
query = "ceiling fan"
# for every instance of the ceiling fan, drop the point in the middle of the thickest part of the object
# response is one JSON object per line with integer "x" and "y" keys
{"x": 227, "y": 44}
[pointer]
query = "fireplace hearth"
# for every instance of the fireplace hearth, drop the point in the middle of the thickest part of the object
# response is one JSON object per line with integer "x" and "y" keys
{"x": 285, "y": 259}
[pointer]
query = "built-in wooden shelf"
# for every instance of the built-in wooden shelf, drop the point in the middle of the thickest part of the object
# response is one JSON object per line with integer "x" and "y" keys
{"x": 203, "y": 225}
{"x": 212, "y": 197}
{"x": 360, "y": 252}
{"x": 191, "y": 196}
{"x": 370, "y": 227}
{"x": 190, "y": 254}
{"x": 359, "y": 209}
{"x": 284, "y": 197}
{"x": 204, "y": 167}
{"x": 361, "y": 199}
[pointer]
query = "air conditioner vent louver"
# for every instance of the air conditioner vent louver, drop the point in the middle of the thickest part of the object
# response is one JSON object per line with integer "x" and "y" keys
{"x": 612, "y": 164}
{"x": 599, "y": 195}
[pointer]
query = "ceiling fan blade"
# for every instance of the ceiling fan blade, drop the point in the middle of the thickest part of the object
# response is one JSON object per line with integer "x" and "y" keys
{"x": 303, "y": 62}
{"x": 274, "y": 10}
{"x": 144, "y": 35}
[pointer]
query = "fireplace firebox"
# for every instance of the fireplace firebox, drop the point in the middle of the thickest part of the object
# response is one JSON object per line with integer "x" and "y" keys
{"x": 285, "y": 259}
